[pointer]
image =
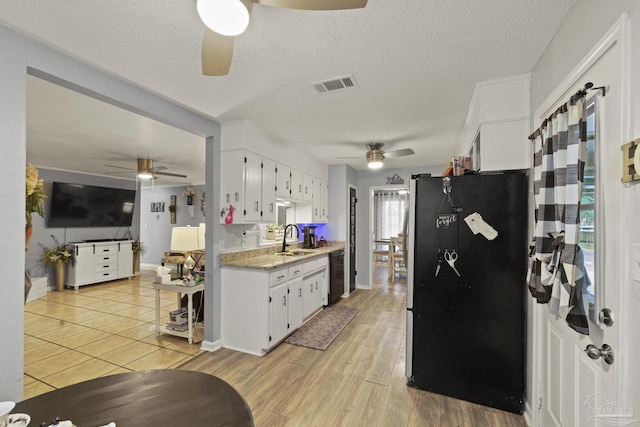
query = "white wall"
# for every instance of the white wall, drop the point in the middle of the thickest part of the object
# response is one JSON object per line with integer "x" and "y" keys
{"x": 585, "y": 25}
{"x": 18, "y": 54}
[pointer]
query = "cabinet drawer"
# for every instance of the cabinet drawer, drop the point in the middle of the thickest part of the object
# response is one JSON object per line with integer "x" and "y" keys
{"x": 111, "y": 249}
{"x": 295, "y": 271}
{"x": 322, "y": 262}
{"x": 101, "y": 259}
{"x": 309, "y": 266}
{"x": 278, "y": 277}
{"x": 105, "y": 275}
{"x": 106, "y": 266}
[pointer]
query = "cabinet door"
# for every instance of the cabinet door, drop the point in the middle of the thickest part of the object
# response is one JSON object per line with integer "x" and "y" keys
{"x": 316, "y": 204}
{"x": 308, "y": 295}
{"x": 125, "y": 259}
{"x": 283, "y": 181}
{"x": 278, "y": 313}
{"x": 252, "y": 187}
{"x": 296, "y": 307}
{"x": 296, "y": 184}
{"x": 307, "y": 187}
{"x": 268, "y": 191}
{"x": 82, "y": 271}
{"x": 317, "y": 290}
{"x": 232, "y": 194}
{"x": 324, "y": 201}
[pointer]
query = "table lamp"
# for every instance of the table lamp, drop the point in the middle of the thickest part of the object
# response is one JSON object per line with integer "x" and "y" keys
{"x": 186, "y": 239}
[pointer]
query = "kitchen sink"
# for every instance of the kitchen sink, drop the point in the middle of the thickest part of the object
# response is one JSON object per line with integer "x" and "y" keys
{"x": 296, "y": 252}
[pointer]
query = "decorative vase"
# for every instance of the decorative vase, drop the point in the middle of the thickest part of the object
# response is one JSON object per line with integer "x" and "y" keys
{"x": 28, "y": 231}
{"x": 136, "y": 263}
{"x": 60, "y": 280}
{"x": 189, "y": 200}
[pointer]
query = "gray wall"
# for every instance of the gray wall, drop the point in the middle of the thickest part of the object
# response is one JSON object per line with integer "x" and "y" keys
{"x": 41, "y": 237}
{"x": 19, "y": 54}
{"x": 155, "y": 227}
{"x": 366, "y": 180}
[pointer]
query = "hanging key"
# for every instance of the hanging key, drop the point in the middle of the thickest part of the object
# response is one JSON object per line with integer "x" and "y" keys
{"x": 451, "y": 258}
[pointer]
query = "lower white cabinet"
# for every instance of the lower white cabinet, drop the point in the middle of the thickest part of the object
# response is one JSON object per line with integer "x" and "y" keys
{"x": 261, "y": 307}
{"x": 99, "y": 262}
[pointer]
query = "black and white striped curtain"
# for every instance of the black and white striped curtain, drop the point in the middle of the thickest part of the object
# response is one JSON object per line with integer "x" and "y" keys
{"x": 557, "y": 274}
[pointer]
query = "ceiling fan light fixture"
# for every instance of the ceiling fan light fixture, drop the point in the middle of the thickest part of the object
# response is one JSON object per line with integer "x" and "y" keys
{"x": 226, "y": 17}
{"x": 145, "y": 175}
{"x": 374, "y": 159}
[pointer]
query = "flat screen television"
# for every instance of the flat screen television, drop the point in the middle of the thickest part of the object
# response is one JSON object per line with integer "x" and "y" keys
{"x": 78, "y": 205}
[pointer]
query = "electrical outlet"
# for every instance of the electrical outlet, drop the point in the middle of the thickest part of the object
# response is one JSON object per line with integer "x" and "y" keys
{"x": 244, "y": 243}
{"x": 221, "y": 245}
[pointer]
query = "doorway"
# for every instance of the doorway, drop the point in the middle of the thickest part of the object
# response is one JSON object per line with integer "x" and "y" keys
{"x": 353, "y": 203}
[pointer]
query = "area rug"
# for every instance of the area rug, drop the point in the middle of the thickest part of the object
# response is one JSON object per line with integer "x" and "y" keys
{"x": 320, "y": 331}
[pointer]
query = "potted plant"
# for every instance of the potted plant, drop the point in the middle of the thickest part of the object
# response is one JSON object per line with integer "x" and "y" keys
{"x": 138, "y": 249}
{"x": 58, "y": 256}
{"x": 271, "y": 231}
{"x": 34, "y": 196}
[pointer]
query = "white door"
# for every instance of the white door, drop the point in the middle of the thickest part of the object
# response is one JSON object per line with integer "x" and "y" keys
{"x": 574, "y": 389}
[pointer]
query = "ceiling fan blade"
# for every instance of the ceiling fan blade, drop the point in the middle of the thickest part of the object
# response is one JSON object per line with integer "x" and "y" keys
{"x": 118, "y": 173}
{"x": 217, "y": 52}
{"x": 158, "y": 168}
{"x": 120, "y": 167}
{"x": 399, "y": 153}
{"x": 169, "y": 174}
{"x": 315, "y": 4}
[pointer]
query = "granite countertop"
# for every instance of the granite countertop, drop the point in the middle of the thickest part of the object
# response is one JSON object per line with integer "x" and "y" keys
{"x": 265, "y": 259}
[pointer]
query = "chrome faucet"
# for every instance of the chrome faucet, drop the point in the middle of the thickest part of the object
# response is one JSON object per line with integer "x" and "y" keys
{"x": 284, "y": 237}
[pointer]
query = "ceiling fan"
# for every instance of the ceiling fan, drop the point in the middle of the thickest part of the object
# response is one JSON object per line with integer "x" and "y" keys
{"x": 228, "y": 18}
{"x": 146, "y": 170}
{"x": 375, "y": 155}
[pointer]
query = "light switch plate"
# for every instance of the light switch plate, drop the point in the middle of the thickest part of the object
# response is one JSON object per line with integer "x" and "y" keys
{"x": 221, "y": 245}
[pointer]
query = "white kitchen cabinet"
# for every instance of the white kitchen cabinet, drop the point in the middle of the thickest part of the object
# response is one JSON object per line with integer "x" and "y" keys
{"x": 99, "y": 262}
{"x": 316, "y": 204}
{"x": 296, "y": 184}
{"x": 261, "y": 307}
{"x": 324, "y": 201}
{"x": 283, "y": 181}
{"x": 278, "y": 313}
{"x": 268, "y": 211}
{"x": 248, "y": 188}
{"x": 307, "y": 187}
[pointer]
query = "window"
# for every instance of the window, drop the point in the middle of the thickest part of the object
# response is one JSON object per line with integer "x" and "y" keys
{"x": 587, "y": 238}
{"x": 389, "y": 206}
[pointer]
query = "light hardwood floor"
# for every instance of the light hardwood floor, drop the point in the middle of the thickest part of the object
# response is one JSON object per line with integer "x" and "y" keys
{"x": 358, "y": 381}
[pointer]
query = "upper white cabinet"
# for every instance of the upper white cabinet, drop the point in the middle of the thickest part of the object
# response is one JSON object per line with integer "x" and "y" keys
{"x": 296, "y": 184}
{"x": 283, "y": 181}
{"x": 498, "y": 124}
{"x": 248, "y": 188}
{"x": 307, "y": 187}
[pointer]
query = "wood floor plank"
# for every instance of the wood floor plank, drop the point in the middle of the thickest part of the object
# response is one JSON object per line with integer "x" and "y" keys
{"x": 358, "y": 381}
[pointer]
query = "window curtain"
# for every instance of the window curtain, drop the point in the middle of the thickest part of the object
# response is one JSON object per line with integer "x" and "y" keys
{"x": 556, "y": 276}
{"x": 389, "y": 213}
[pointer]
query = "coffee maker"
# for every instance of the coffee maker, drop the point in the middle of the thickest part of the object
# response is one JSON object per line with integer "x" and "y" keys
{"x": 310, "y": 239}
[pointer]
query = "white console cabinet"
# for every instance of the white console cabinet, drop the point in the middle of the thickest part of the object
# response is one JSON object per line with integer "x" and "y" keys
{"x": 97, "y": 262}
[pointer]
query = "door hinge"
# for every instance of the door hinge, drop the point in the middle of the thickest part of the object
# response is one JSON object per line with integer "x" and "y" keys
{"x": 355, "y": 200}
{"x": 269, "y": 338}
{"x": 261, "y": 165}
{"x": 269, "y": 299}
{"x": 244, "y": 212}
{"x": 355, "y": 273}
{"x": 245, "y": 159}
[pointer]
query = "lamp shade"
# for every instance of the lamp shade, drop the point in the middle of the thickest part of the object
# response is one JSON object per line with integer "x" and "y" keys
{"x": 201, "y": 230}
{"x": 185, "y": 239}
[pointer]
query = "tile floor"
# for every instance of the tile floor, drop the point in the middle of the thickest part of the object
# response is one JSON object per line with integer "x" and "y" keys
{"x": 108, "y": 328}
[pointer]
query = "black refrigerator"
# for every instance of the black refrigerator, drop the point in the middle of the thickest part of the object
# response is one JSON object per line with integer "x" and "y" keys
{"x": 466, "y": 325}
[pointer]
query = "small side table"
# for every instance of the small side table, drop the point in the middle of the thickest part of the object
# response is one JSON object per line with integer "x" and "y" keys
{"x": 179, "y": 289}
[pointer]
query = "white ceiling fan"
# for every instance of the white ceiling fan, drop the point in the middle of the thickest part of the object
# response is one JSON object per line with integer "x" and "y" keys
{"x": 146, "y": 170}
{"x": 228, "y": 18}
{"x": 375, "y": 155}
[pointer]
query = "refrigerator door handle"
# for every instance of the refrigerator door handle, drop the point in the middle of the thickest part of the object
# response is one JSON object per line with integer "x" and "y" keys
{"x": 405, "y": 236}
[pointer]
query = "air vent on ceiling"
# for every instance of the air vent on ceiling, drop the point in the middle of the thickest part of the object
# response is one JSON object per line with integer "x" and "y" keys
{"x": 336, "y": 84}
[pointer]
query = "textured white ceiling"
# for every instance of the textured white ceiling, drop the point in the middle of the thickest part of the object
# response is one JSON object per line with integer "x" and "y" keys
{"x": 416, "y": 63}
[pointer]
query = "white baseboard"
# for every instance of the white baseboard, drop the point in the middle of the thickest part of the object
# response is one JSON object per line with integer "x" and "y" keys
{"x": 211, "y": 346}
{"x": 366, "y": 287}
{"x": 527, "y": 414}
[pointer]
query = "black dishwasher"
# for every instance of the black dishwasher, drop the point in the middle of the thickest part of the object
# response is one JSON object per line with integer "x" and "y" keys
{"x": 336, "y": 276}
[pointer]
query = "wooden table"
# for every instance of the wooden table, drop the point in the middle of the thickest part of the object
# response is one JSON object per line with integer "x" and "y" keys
{"x": 140, "y": 399}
